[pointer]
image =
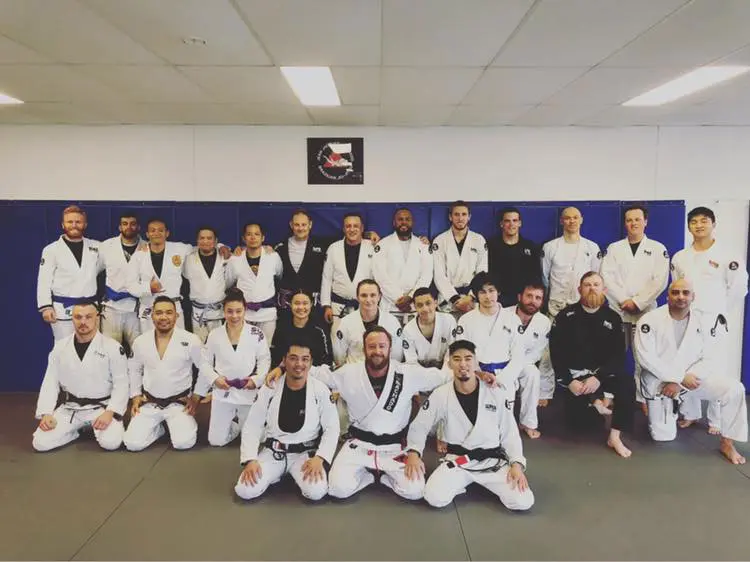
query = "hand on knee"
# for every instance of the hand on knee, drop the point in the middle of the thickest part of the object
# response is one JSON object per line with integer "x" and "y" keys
{"x": 521, "y": 502}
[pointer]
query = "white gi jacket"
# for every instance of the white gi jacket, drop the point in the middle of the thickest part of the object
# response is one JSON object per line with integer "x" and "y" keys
{"x": 335, "y": 276}
{"x": 416, "y": 347}
{"x": 453, "y": 270}
{"x": 658, "y": 355}
{"x": 103, "y": 372}
{"x": 348, "y": 346}
{"x": 398, "y": 276}
{"x": 141, "y": 272}
{"x": 534, "y": 338}
{"x": 719, "y": 278}
{"x": 641, "y": 277}
{"x": 263, "y": 421}
{"x": 390, "y": 413}
{"x": 207, "y": 294}
{"x": 171, "y": 375}
{"x": 257, "y": 288}
{"x": 565, "y": 290}
{"x": 252, "y": 355}
{"x": 61, "y": 276}
{"x": 116, "y": 262}
{"x": 495, "y": 425}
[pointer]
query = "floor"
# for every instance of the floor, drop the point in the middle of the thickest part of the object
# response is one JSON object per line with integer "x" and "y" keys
{"x": 679, "y": 500}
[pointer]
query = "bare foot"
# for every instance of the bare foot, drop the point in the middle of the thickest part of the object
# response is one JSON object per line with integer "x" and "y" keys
{"x": 601, "y": 407}
{"x": 442, "y": 447}
{"x": 617, "y": 444}
{"x": 713, "y": 430}
{"x": 531, "y": 432}
{"x": 727, "y": 449}
{"x": 644, "y": 408}
{"x": 685, "y": 423}
{"x": 543, "y": 403}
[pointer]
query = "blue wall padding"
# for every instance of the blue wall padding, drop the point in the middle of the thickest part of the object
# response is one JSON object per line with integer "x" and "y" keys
{"x": 27, "y": 226}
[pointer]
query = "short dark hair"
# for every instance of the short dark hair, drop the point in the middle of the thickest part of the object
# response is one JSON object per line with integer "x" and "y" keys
{"x": 163, "y": 298}
{"x": 234, "y": 294}
{"x": 211, "y": 228}
{"x": 462, "y": 344}
{"x": 300, "y": 211}
{"x": 636, "y": 207}
{"x": 459, "y": 203}
{"x": 505, "y": 210}
{"x": 397, "y": 211}
{"x": 589, "y": 274}
{"x": 481, "y": 279}
{"x": 535, "y": 285}
{"x": 301, "y": 291}
{"x": 157, "y": 219}
{"x": 88, "y": 302}
{"x": 127, "y": 214}
{"x": 253, "y": 223}
{"x": 299, "y": 340}
{"x": 377, "y": 330}
{"x": 422, "y": 291}
{"x": 698, "y": 211}
{"x": 368, "y": 282}
{"x": 354, "y": 214}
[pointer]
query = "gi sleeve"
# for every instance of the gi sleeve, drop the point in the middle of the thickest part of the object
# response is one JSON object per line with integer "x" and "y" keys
{"x": 278, "y": 266}
{"x": 482, "y": 259}
{"x": 410, "y": 349}
{"x": 135, "y": 372}
{"x": 647, "y": 353}
{"x": 427, "y": 418}
{"x": 388, "y": 286}
{"x": 230, "y": 276}
{"x": 425, "y": 268}
{"x": 510, "y": 438}
{"x": 329, "y": 421}
{"x": 656, "y": 282}
{"x": 207, "y": 378}
{"x": 262, "y": 362}
{"x": 254, "y": 425}
{"x": 397, "y": 345}
{"x": 427, "y": 379}
{"x": 324, "y": 374}
{"x": 596, "y": 257}
{"x": 326, "y": 282}
{"x": 736, "y": 278}
{"x": 560, "y": 347}
{"x": 199, "y": 356}
{"x": 516, "y": 363}
{"x": 50, "y": 390}
{"x": 443, "y": 284}
{"x": 546, "y": 263}
{"x": 118, "y": 365}
{"x": 611, "y": 276}
{"x": 47, "y": 267}
{"x": 340, "y": 344}
{"x": 535, "y": 350}
{"x": 136, "y": 285}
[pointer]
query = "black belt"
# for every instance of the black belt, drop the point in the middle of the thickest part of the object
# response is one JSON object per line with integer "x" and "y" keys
{"x": 478, "y": 454}
{"x": 344, "y": 302}
{"x": 65, "y": 397}
{"x": 284, "y": 448}
{"x": 385, "y": 439}
{"x": 162, "y": 403}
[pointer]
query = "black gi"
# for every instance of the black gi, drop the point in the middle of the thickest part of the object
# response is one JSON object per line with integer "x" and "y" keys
{"x": 310, "y": 270}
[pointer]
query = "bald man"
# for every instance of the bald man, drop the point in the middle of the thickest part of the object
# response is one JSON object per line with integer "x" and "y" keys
{"x": 675, "y": 348}
{"x": 566, "y": 259}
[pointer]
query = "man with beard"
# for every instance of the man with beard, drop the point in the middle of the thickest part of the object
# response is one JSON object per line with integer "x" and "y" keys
{"x": 298, "y": 422}
{"x": 120, "y": 318}
{"x": 459, "y": 254}
{"x": 675, "y": 348}
{"x": 484, "y": 446}
{"x": 161, "y": 379}
{"x": 401, "y": 264}
{"x": 67, "y": 273}
{"x": 566, "y": 259}
{"x": 588, "y": 354}
{"x": 426, "y": 338}
{"x": 86, "y": 384}
{"x": 348, "y": 262}
{"x": 512, "y": 259}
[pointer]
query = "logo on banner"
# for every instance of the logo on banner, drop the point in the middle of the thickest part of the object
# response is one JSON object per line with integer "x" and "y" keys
{"x": 332, "y": 161}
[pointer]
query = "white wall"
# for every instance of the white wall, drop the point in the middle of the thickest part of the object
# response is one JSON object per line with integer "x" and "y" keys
{"x": 703, "y": 165}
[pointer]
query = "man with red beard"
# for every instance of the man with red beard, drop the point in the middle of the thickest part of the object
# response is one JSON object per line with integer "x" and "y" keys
{"x": 67, "y": 273}
{"x": 588, "y": 354}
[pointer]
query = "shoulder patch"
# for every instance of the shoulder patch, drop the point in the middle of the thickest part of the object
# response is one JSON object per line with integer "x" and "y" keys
{"x": 458, "y": 331}
{"x": 376, "y": 248}
{"x": 332, "y": 398}
{"x": 671, "y": 266}
{"x": 509, "y": 404}
{"x": 122, "y": 351}
{"x": 184, "y": 343}
{"x": 733, "y": 265}
{"x": 666, "y": 254}
{"x": 340, "y": 334}
{"x": 405, "y": 344}
{"x": 426, "y": 405}
{"x": 600, "y": 254}
{"x": 521, "y": 329}
{"x": 645, "y": 328}
{"x": 490, "y": 407}
{"x": 541, "y": 253}
{"x": 279, "y": 245}
{"x": 41, "y": 262}
{"x": 177, "y": 261}
{"x": 485, "y": 246}
{"x": 434, "y": 247}
{"x": 399, "y": 332}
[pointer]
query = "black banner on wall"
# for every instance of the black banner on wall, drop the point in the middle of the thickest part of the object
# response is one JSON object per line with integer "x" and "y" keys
{"x": 333, "y": 161}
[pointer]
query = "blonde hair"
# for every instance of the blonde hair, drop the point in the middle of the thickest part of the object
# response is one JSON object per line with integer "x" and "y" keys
{"x": 70, "y": 209}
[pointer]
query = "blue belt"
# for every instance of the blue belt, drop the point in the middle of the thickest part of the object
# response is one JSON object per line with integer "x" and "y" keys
{"x": 111, "y": 295}
{"x": 71, "y": 301}
{"x": 345, "y": 302}
{"x": 255, "y": 306}
{"x": 492, "y": 367}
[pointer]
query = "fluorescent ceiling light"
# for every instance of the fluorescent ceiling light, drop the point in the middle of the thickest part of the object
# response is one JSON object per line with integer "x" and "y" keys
{"x": 7, "y": 100}
{"x": 313, "y": 85}
{"x": 694, "y": 81}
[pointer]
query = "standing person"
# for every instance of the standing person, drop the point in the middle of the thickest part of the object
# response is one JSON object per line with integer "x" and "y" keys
{"x": 513, "y": 260}
{"x": 401, "y": 264}
{"x": 119, "y": 319}
{"x": 459, "y": 254}
{"x": 301, "y": 325}
{"x": 67, "y": 273}
{"x": 719, "y": 280}
{"x": 566, "y": 259}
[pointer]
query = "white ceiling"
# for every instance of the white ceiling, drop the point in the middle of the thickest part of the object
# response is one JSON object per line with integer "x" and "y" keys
{"x": 395, "y": 62}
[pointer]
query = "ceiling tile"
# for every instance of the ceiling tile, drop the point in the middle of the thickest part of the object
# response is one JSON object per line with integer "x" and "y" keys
{"x": 324, "y": 32}
{"x": 155, "y": 84}
{"x": 241, "y": 84}
{"x": 435, "y": 86}
{"x": 415, "y": 115}
{"x": 520, "y": 86}
{"x": 486, "y": 115}
{"x": 357, "y": 85}
{"x": 360, "y": 115}
{"x": 66, "y": 31}
{"x": 447, "y": 32}
{"x": 58, "y": 113}
{"x": 14, "y": 53}
{"x": 162, "y": 25}
{"x": 698, "y": 33}
{"x": 271, "y": 114}
{"x": 581, "y": 32}
{"x": 555, "y": 116}
{"x": 47, "y": 83}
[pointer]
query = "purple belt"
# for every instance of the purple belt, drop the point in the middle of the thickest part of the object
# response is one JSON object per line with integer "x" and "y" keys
{"x": 256, "y": 306}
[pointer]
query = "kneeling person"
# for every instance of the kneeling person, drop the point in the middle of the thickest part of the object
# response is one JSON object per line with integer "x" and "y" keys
{"x": 484, "y": 445}
{"x": 300, "y": 424}
{"x": 87, "y": 375}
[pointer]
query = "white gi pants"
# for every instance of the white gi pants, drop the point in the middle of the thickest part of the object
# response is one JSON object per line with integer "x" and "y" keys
{"x": 148, "y": 324}
{"x": 121, "y": 326}
{"x": 70, "y": 421}
{"x": 446, "y": 482}
{"x": 268, "y": 328}
{"x": 148, "y": 425}
{"x": 62, "y": 329}
{"x": 204, "y": 327}
{"x": 727, "y": 393}
{"x": 222, "y": 429}
{"x": 546, "y": 376}
{"x": 529, "y": 381}
{"x": 349, "y": 472}
{"x": 691, "y": 406}
{"x": 273, "y": 470}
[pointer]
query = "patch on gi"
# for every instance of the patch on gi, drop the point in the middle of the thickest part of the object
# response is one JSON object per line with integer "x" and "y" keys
{"x": 509, "y": 404}
{"x": 405, "y": 344}
{"x": 42, "y": 262}
{"x": 434, "y": 247}
{"x": 184, "y": 343}
{"x": 607, "y": 324}
{"x": 671, "y": 266}
{"x": 443, "y": 340}
{"x": 507, "y": 329}
{"x": 733, "y": 265}
{"x": 177, "y": 261}
{"x": 332, "y": 398}
{"x": 93, "y": 249}
{"x": 713, "y": 264}
{"x": 599, "y": 255}
{"x": 426, "y": 405}
{"x": 340, "y": 334}
{"x": 666, "y": 254}
{"x": 570, "y": 313}
{"x": 645, "y": 328}
{"x": 475, "y": 250}
{"x": 647, "y": 252}
{"x": 485, "y": 245}
{"x": 536, "y": 335}
{"x": 490, "y": 407}
{"x": 458, "y": 330}
{"x": 398, "y": 332}
{"x": 122, "y": 350}
{"x": 376, "y": 249}
{"x": 521, "y": 329}
{"x": 526, "y": 251}
{"x": 317, "y": 249}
